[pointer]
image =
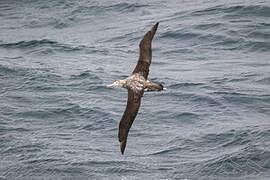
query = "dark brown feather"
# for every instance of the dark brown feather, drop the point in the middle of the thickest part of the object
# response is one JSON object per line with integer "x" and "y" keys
{"x": 145, "y": 57}
{"x": 149, "y": 86}
{"x": 133, "y": 105}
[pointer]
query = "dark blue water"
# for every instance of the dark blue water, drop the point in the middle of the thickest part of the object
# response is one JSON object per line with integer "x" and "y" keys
{"x": 59, "y": 121}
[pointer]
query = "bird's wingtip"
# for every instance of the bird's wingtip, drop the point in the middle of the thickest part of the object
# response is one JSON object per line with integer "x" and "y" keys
{"x": 155, "y": 27}
{"x": 123, "y": 146}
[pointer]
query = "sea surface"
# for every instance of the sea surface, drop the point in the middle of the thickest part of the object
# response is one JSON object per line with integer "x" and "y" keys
{"x": 59, "y": 121}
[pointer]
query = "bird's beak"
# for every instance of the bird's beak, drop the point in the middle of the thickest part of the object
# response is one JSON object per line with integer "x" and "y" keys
{"x": 110, "y": 85}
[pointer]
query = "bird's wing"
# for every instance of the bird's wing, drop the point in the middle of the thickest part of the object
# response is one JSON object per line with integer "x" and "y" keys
{"x": 133, "y": 105}
{"x": 145, "y": 57}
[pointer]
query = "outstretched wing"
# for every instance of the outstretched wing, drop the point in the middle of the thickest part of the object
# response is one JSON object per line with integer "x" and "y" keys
{"x": 133, "y": 105}
{"x": 145, "y": 57}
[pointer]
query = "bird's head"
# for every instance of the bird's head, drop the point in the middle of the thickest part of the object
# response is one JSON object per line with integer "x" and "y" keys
{"x": 116, "y": 83}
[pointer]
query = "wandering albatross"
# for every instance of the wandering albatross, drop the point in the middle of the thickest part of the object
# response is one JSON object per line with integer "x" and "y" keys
{"x": 136, "y": 84}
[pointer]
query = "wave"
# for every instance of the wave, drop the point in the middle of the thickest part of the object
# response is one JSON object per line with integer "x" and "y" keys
{"x": 42, "y": 161}
{"x": 244, "y": 11}
{"x": 183, "y": 85}
{"x": 177, "y": 118}
{"x": 111, "y": 167}
{"x": 73, "y": 13}
{"x": 46, "y": 46}
{"x": 6, "y": 70}
{"x": 236, "y": 10}
{"x": 208, "y": 26}
{"x": 126, "y": 7}
{"x": 10, "y": 72}
{"x": 25, "y": 44}
{"x": 118, "y": 7}
{"x": 85, "y": 74}
{"x": 32, "y": 148}
{"x": 244, "y": 152}
{"x": 231, "y": 30}
{"x": 11, "y": 129}
{"x": 166, "y": 151}
{"x": 40, "y": 43}
{"x": 248, "y": 162}
{"x": 225, "y": 40}
{"x": 243, "y": 155}
{"x": 179, "y": 34}
{"x": 257, "y": 46}
{"x": 265, "y": 81}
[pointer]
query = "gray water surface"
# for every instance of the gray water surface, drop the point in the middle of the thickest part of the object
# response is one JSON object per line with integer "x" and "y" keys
{"x": 59, "y": 121}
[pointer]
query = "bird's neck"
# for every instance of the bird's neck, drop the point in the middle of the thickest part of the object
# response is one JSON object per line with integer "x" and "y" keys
{"x": 122, "y": 83}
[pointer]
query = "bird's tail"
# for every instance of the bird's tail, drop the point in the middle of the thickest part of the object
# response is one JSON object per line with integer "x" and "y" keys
{"x": 149, "y": 86}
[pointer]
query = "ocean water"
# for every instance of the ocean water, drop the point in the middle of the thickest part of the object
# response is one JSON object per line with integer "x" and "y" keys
{"x": 59, "y": 121}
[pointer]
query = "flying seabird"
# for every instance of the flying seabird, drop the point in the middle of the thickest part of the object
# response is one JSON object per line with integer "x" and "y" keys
{"x": 136, "y": 84}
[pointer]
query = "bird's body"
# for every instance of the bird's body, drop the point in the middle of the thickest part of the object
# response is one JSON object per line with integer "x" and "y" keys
{"x": 136, "y": 84}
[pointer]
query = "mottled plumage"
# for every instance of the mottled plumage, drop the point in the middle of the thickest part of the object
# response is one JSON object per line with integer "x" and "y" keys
{"x": 136, "y": 84}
